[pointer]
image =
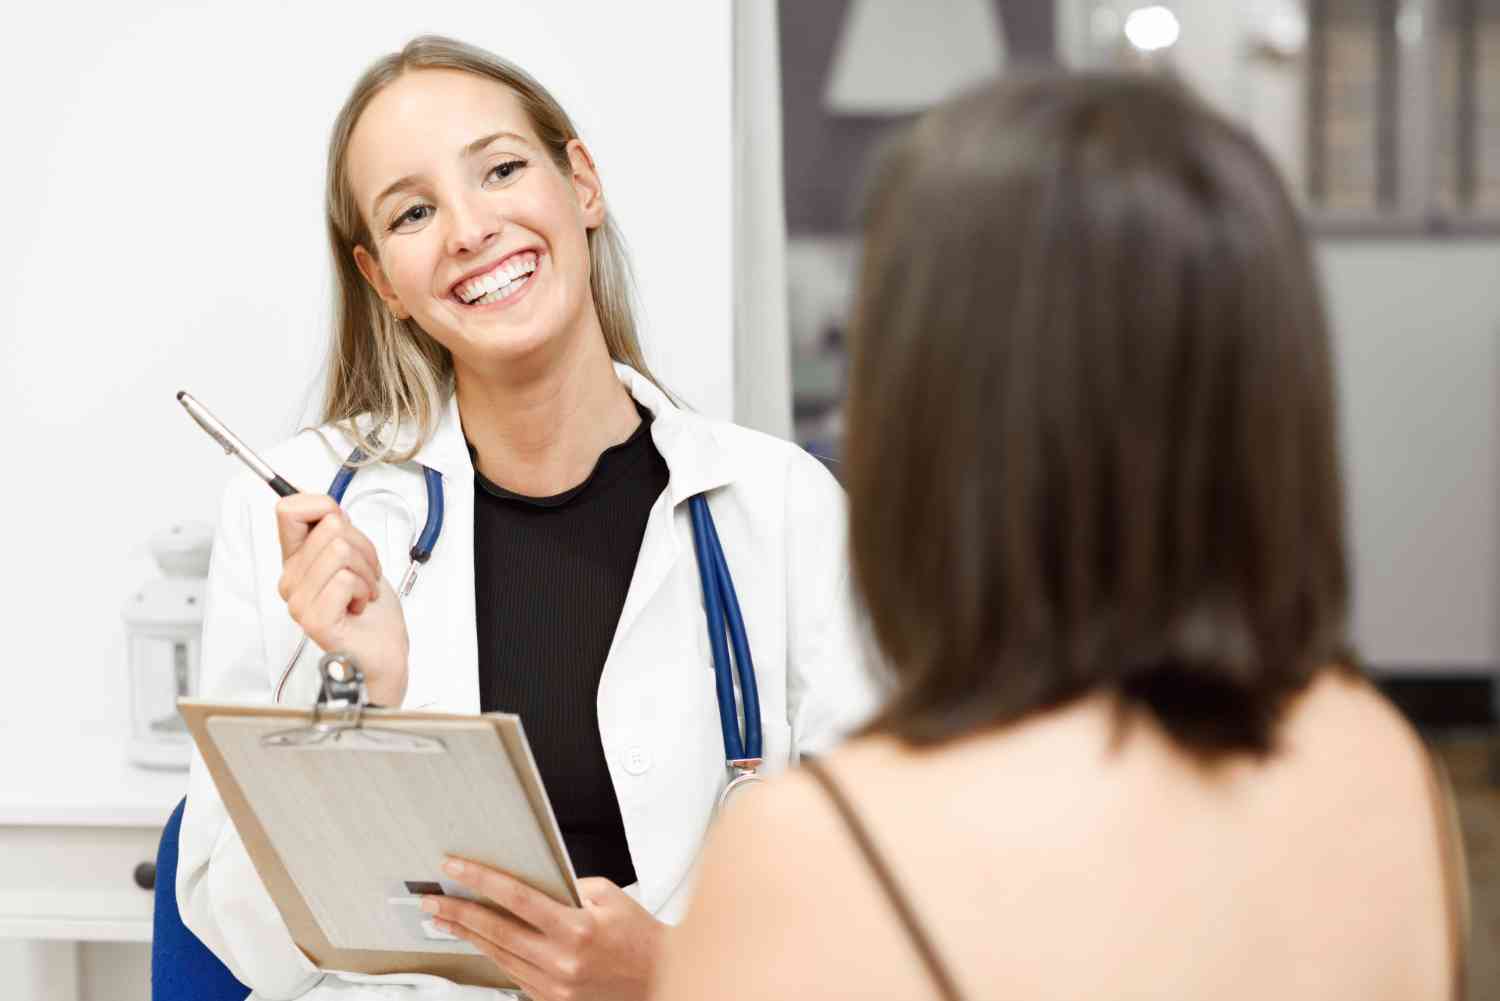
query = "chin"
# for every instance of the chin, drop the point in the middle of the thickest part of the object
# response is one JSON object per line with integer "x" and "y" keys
{"x": 530, "y": 331}
{"x": 507, "y": 348}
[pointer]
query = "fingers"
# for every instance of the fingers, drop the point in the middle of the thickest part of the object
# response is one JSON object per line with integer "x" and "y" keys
{"x": 300, "y": 517}
{"x": 319, "y": 610}
{"x": 597, "y": 891}
{"x": 557, "y": 951}
{"x": 297, "y": 515}
{"x": 331, "y": 545}
{"x": 528, "y": 977}
{"x": 532, "y": 906}
{"x": 505, "y": 933}
{"x": 304, "y": 524}
{"x": 323, "y": 557}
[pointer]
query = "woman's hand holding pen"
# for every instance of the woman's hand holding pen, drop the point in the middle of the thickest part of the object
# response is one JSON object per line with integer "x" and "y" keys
{"x": 333, "y": 588}
{"x": 607, "y": 948}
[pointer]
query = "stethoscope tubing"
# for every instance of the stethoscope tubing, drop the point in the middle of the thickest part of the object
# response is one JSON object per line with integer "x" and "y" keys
{"x": 721, "y": 607}
{"x": 421, "y": 550}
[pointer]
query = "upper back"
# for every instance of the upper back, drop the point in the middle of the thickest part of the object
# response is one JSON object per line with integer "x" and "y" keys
{"x": 1049, "y": 862}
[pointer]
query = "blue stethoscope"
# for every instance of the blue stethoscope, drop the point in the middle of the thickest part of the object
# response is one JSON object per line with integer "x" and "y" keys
{"x": 720, "y": 604}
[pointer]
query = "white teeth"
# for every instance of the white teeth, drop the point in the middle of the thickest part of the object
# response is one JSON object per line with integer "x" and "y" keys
{"x": 503, "y": 292}
{"x": 486, "y": 286}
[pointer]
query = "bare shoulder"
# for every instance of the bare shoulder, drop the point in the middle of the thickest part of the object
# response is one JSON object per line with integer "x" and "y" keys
{"x": 780, "y": 877}
{"x": 1346, "y": 713}
{"x": 1351, "y": 753}
{"x": 755, "y": 831}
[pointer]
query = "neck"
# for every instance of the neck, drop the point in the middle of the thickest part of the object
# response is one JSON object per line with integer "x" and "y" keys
{"x": 538, "y": 430}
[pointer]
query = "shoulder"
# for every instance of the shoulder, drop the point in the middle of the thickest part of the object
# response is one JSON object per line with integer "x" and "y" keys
{"x": 757, "y": 463}
{"x": 762, "y": 450}
{"x": 781, "y": 876}
{"x": 321, "y": 449}
{"x": 746, "y": 870}
{"x": 795, "y": 808}
{"x": 762, "y": 460}
{"x": 1365, "y": 747}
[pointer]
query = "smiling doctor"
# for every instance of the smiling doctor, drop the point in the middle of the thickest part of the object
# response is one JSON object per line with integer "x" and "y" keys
{"x": 484, "y": 340}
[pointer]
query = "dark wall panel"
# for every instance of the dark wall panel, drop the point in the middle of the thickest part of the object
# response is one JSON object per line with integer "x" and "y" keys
{"x": 824, "y": 154}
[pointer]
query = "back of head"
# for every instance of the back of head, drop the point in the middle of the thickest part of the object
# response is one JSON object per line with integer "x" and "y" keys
{"x": 1092, "y": 438}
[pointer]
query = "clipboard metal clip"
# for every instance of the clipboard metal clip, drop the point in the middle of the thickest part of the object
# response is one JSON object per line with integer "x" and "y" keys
{"x": 338, "y": 717}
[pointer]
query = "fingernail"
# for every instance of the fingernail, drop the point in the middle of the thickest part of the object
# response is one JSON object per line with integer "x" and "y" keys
{"x": 453, "y": 867}
{"x": 429, "y": 905}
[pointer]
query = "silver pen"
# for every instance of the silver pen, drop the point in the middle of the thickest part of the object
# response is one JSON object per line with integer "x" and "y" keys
{"x": 233, "y": 446}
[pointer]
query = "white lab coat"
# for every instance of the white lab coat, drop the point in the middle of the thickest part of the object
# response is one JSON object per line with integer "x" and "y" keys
{"x": 781, "y": 520}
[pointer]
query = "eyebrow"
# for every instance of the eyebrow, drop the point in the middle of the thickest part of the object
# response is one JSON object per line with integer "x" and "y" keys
{"x": 410, "y": 180}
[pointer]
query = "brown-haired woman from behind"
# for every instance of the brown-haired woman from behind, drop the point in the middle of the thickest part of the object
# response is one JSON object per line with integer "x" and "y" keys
{"x": 1097, "y": 522}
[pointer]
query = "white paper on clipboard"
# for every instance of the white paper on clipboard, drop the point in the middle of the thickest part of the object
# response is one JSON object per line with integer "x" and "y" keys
{"x": 362, "y": 830}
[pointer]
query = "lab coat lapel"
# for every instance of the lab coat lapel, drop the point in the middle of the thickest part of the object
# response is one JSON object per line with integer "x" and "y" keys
{"x": 656, "y": 680}
{"x": 695, "y": 465}
{"x": 444, "y": 672}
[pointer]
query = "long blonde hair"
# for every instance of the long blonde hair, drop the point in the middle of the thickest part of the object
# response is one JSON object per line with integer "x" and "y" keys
{"x": 391, "y": 372}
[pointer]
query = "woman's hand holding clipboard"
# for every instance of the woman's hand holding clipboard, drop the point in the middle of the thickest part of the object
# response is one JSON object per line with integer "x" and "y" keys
{"x": 606, "y": 948}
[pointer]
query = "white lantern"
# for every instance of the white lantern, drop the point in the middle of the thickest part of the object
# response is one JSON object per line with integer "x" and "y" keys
{"x": 164, "y": 631}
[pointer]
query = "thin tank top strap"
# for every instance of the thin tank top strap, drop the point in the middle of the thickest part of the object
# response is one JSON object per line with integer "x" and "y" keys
{"x": 1455, "y": 871}
{"x": 899, "y": 902}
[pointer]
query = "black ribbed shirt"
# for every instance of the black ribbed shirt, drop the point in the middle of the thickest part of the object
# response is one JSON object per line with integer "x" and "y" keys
{"x": 550, "y": 577}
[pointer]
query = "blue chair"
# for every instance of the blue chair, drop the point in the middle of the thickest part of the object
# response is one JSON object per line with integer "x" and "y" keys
{"x": 182, "y": 968}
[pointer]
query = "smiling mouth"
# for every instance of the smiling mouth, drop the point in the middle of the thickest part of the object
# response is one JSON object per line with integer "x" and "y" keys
{"x": 501, "y": 282}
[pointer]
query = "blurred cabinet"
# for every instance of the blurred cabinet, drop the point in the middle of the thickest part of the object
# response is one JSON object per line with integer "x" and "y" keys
{"x": 1352, "y": 77}
{"x": 1383, "y": 115}
{"x": 1467, "y": 99}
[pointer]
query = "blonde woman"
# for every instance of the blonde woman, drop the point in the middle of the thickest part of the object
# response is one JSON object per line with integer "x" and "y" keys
{"x": 484, "y": 334}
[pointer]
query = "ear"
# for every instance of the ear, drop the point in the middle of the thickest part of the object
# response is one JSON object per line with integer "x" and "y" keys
{"x": 375, "y": 275}
{"x": 586, "y": 184}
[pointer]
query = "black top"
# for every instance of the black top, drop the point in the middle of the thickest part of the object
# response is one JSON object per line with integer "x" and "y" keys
{"x": 550, "y": 577}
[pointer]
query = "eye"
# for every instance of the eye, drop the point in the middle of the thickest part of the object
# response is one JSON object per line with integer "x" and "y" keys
{"x": 505, "y": 171}
{"x": 415, "y": 214}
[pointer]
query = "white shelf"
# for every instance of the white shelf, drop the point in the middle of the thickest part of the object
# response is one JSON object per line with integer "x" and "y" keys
{"x": 80, "y": 779}
{"x": 76, "y": 930}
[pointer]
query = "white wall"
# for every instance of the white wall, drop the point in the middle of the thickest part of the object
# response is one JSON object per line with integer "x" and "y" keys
{"x": 1417, "y": 329}
{"x": 163, "y": 181}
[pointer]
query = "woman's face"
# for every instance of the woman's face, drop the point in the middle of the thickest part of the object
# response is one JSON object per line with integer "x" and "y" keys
{"x": 477, "y": 235}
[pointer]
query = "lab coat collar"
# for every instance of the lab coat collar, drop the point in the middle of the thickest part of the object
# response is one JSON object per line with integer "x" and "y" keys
{"x": 695, "y": 460}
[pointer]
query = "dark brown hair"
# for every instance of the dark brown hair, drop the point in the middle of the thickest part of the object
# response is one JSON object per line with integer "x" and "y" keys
{"x": 1092, "y": 441}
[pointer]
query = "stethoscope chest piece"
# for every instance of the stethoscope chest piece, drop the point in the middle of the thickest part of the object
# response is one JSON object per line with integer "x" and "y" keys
{"x": 745, "y": 776}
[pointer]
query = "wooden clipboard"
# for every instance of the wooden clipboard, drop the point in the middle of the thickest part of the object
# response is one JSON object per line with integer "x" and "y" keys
{"x": 342, "y": 826}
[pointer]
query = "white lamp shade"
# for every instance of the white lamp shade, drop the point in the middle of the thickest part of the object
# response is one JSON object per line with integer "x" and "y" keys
{"x": 896, "y": 56}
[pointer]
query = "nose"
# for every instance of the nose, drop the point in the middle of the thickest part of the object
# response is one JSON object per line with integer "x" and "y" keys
{"x": 472, "y": 225}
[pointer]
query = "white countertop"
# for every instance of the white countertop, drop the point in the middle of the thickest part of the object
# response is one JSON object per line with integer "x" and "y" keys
{"x": 48, "y": 777}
